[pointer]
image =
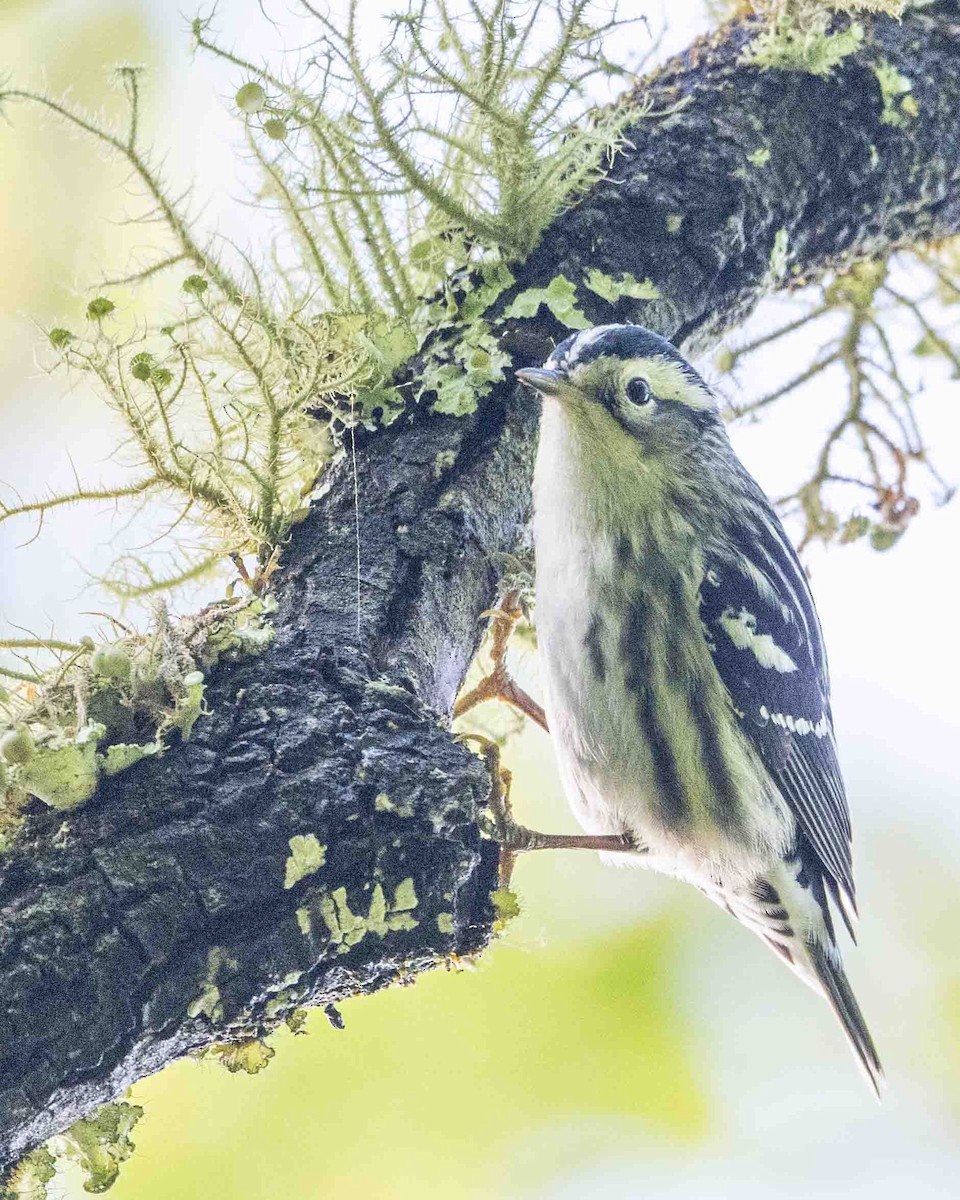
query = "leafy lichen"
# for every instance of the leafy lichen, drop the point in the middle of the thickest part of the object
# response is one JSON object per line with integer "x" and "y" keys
{"x": 345, "y": 928}
{"x": 559, "y": 296}
{"x": 250, "y": 1056}
{"x": 899, "y": 105}
{"x": 103, "y": 708}
{"x": 778, "y": 254}
{"x": 99, "y": 1145}
{"x": 307, "y": 856}
{"x": 623, "y": 286}
{"x": 506, "y": 905}
{"x": 208, "y": 1002}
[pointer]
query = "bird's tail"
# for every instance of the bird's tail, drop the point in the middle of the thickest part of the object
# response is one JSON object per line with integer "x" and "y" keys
{"x": 794, "y": 920}
{"x": 825, "y": 963}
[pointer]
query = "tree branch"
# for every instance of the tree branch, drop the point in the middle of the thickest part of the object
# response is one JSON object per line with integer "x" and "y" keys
{"x": 156, "y": 919}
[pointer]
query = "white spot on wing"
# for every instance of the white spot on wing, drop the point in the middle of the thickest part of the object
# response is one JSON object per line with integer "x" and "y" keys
{"x": 798, "y": 725}
{"x": 741, "y": 628}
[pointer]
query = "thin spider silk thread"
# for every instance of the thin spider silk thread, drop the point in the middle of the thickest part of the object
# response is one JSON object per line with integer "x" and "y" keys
{"x": 356, "y": 505}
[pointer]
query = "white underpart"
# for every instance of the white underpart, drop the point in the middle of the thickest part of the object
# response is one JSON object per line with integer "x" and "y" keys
{"x": 606, "y": 764}
{"x": 741, "y": 628}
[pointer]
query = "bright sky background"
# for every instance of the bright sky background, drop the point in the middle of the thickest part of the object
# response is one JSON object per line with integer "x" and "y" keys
{"x": 788, "y": 1114}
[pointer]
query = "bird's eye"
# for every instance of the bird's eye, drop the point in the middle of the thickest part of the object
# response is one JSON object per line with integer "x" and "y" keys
{"x": 638, "y": 392}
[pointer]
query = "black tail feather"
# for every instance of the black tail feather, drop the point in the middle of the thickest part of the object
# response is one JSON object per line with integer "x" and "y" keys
{"x": 830, "y": 973}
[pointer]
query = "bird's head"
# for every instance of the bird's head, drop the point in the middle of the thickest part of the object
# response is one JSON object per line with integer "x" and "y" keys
{"x": 628, "y": 391}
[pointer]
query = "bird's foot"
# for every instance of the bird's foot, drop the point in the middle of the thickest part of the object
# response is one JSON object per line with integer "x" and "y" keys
{"x": 516, "y": 839}
{"x": 498, "y": 683}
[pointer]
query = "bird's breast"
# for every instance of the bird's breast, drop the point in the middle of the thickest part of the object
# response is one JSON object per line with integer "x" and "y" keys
{"x": 644, "y": 731}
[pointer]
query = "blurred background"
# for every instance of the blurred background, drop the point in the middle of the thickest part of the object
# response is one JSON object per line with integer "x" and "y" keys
{"x": 624, "y": 1038}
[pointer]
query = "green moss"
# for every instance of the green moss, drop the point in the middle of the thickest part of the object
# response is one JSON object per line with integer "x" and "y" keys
{"x": 100, "y": 307}
{"x": 251, "y": 99}
{"x": 17, "y": 746}
{"x": 884, "y": 538}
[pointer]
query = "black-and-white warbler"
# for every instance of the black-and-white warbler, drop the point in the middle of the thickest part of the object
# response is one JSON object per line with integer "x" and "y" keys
{"x": 684, "y": 669}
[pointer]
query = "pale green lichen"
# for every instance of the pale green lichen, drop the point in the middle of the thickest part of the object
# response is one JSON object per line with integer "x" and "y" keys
{"x": 759, "y": 157}
{"x": 249, "y": 1056}
{"x": 208, "y": 1003}
{"x": 346, "y": 928}
{"x": 98, "y": 1145}
{"x": 445, "y": 922}
{"x": 460, "y": 382}
{"x": 613, "y": 289}
{"x": 899, "y": 105}
{"x": 63, "y": 771}
{"x": 405, "y": 895}
{"x": 122, "y": 755}
{"x": 119, "y": 688}
{"x": 674, "y": 222}
{"x": 778, "y": 254}
{"x": 559, "y": 296}
{"x": 307, "y": 856}
{"x": 443, "y": 462}
{"x": 506, "y": 906}
{"x": 28, "y": 1179}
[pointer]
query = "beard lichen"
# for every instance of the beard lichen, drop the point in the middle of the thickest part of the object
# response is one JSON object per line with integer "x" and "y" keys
{"x": 445, "y": 155}
{"x": 98, "y": 1145}
{"x": 801, "y": 35}
{"x": 104, "y": 707}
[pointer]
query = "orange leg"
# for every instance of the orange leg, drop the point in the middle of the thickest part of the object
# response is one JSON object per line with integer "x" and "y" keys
{"x": 516, "y": 839}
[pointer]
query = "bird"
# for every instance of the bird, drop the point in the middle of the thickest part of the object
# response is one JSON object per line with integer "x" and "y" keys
{"x": 683, "y": 663}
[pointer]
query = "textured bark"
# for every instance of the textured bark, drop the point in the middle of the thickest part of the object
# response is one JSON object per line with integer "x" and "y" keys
{"x": 165, "y": 895}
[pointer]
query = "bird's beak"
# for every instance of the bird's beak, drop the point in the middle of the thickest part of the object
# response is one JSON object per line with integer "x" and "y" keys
{"x": 547, "y": 383}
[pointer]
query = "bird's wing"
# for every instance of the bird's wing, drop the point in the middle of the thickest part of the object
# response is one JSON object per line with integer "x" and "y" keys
{"x": 764, "y": 635}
